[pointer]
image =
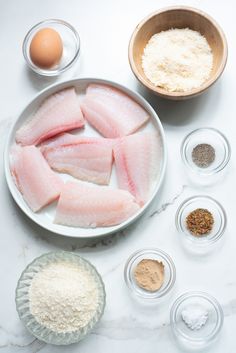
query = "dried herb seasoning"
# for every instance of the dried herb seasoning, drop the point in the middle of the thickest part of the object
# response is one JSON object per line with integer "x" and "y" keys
{"x": 200, "y": 222}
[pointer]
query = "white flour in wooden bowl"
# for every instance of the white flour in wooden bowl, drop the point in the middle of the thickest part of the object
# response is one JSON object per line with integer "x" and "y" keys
{"x": 63, "y": 297}
{"x": 177, "y": 60}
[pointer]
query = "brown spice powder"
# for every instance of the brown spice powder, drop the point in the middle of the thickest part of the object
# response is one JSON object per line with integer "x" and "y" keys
{"x": 149, "y": 274}
{"x": 200, "y": 222}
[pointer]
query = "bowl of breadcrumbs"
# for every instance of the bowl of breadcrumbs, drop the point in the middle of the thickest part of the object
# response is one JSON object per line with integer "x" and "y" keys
{"x": 178, "y": 52}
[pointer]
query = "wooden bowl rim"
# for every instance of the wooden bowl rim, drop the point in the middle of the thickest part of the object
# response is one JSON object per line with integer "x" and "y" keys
{"x": 178, "y": 95}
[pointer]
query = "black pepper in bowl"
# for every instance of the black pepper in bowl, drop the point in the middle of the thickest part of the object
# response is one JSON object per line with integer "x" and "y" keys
{"x": 203, "y": 155}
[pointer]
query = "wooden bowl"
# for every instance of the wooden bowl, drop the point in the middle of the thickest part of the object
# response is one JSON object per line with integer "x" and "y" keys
{"x": 178, "y": 17}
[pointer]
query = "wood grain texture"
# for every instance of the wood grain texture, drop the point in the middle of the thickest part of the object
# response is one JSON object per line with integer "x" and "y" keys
{"x": 178, "y": 17}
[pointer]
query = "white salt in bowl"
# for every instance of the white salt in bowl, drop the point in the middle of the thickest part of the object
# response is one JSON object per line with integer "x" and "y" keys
{"x": 23, "y": 303}
{"x": 208, "y": 333}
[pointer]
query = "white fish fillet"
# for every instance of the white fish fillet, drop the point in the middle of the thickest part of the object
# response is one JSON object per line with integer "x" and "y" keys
{"x": 58, "y": 140}
{"x": 68, "y": 139}
{"x": 38, "y": 184}
{"x": 86, "y": 206}
{"x": 137, "y": 160}
{"x": 112, "y": 112}
{"x": 86, "y": 158}
{"x": 58, "y": 113}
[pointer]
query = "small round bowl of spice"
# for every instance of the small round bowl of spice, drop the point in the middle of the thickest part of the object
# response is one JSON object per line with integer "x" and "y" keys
{"x": 206, "y": 153}
{"x": 51, "y": 47}
{"x": 201, "y": 221}
{"x": 196, "y": 319}
{"x": 178, "y": 52}
{"x": 60, "y": 297}
{"x": 150, "y": 274}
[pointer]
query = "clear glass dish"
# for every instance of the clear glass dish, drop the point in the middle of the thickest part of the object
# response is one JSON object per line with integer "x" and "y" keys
{"x": 208, "y": 333}
{"x": 222, "y": 149}
{"x": 203, "y": 242}
{"x": 169, "y": 274}
{"x": 23, "y": 305}
{"x": 71, "y": 46}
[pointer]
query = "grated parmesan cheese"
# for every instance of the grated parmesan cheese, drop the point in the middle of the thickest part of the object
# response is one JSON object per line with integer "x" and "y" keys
{"x": 177, "y": 60}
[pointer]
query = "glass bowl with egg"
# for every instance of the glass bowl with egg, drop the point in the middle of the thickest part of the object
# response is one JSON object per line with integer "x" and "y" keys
{"x": 150, "y": 275}
{"x": 51, "y": 47}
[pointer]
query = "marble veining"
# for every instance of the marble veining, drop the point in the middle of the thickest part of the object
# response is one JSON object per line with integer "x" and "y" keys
{"x": 169, "y": 203}
{"x": 127, "y": 325}
{"x": 128, "y": 328}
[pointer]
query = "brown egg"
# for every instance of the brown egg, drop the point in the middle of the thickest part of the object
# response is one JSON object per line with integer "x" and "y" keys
{"x": 46, "y": 48}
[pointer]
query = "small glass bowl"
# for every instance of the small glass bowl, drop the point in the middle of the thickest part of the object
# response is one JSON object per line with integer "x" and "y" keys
{"x": 23, "y": 304}
{"x": 214, "y": 138}
{"x": 208, "y": 333}
{"x": 202, "y": 242}
{"x": 169, "y": 274}
{"x": 71, "y": 46}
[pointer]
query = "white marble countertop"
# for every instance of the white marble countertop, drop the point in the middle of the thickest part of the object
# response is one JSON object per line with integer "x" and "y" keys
{"x": 105, "y": 27}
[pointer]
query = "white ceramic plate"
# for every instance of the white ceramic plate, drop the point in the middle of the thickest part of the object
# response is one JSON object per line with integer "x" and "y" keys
{"x": 45, "y": 217}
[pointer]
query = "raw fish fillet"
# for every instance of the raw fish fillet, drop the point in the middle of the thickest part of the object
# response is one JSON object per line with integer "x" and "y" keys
{"x": 68, "y": 139}
{"x": 85, "y": 158}
{"x": 112, "y": 112}
{"x": 86, "y": 206}
{"x": 38, "y": 184}
{"x": 58, "y": 113}
{"x": 58, "y": 140}
{"x": 137, "y": 160}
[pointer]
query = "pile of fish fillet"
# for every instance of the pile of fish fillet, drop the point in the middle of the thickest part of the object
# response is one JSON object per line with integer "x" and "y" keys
{"x": 44, "y": 148}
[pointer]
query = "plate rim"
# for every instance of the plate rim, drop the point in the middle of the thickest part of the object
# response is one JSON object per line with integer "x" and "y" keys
{"x": 52, "y": 89}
